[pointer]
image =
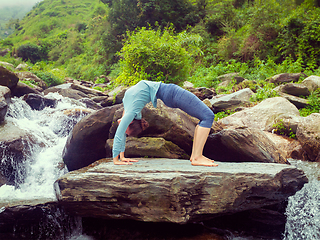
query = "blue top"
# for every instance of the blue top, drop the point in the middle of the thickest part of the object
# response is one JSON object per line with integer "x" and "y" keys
{"x": 134, "y": 101}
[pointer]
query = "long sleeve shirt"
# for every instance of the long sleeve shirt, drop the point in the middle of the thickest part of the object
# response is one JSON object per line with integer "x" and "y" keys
{"x": 134, "y": 101}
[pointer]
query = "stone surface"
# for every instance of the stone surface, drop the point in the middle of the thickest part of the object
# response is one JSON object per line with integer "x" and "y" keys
{"x": 308, "y": 134}
{"x": 21, "y": 89}
{"x": 285, "y": 77}
{"x": 163, "y": 190}
{"x": 312, "y": 82}
{"x": 8, "y": 78}
{"x": 295, "y": 89}
{"x": 149, "y": 147}
{"x": 243, "y": 145}
{"x": 28, "y": 76}
{"x": 297, "y": 101}
{"x": 264, "y": 115}
{"x": 86, "y": 143}
{"x": 5, "y": 95}
{"x": 230, "y": 101}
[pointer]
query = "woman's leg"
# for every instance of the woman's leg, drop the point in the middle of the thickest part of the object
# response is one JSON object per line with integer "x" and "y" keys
{"x": 177, "y": 97}
{"x": 199, "y": 140}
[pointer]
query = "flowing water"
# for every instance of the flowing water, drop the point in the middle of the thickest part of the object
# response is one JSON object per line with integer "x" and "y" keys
{"x": 49, "y": 130}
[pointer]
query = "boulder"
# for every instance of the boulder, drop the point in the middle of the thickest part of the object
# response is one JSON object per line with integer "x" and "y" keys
{"x": 28, "y": 76}
{"x": 7, "y": 65}
{"x": 295, "y": 89}
{"x": 312, "y": 83}
{"x": 231, "y": 101}
{"x": 226, "y": 79}
{"x": 308, "y": 134}
{"x": 39, "y": 102}
{"x": 21, "y": 89}
{"x": 297, "y": 101}
{"x": 8, "y": 78}
{"x": 5, "y": 94}
{"x": 170, "y": 190}
{"x": 290, "y": 148}
{"x": 86, "y": 143}
{"x": 15, "y": 148}
{"x": 149, "y": 147}
{"x": 286, "y": 77}
{"x": 22, "y": 66}
{"x": 264, "y": 115}
{"x": 90, "y": 103}
{"x": 243, "y": 145}
{"x": 89, "y": 91}
{"x": 72, "y": 93}
{"x": 172, "y": 124}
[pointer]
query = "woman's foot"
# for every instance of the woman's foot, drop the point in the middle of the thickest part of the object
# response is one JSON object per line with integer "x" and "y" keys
{"x": 203, "y": 161}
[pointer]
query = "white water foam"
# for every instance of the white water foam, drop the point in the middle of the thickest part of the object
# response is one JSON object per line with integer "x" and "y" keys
{"x": 49, "y": 130}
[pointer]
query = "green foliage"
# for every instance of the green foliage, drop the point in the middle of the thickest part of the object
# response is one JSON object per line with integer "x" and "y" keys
{"x": 30, "y": 52}
{"x": 49, "y": 78}
{"x": 223, "y": 114}
{"x": 314, "y": 104}
{"x": 283, "y": 129}
{"x": 158, "y": 56}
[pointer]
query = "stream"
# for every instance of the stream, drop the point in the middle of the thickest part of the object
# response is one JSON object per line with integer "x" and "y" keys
{"x": 50, "y": 128}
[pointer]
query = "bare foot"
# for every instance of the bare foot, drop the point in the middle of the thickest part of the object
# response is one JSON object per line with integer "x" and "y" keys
{"x": 203, "y": 161}
{"x": 203, "y": 157}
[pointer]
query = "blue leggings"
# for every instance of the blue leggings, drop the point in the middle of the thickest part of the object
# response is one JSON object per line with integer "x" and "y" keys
{"x": 176, "y": 97}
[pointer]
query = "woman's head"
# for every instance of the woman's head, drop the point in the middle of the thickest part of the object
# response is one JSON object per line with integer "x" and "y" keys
{"x": 136, "y": 127}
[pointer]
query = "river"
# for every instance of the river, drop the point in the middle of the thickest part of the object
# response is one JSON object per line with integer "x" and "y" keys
{"x": 50, "y": 129}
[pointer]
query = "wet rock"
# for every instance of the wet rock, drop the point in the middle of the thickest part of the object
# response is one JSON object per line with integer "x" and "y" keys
{"x": 170, "y": 190}
{"x": 5, "y": 95}
{"x": 149, "y": 147}
{"x": 39, "y": 102}
{"x": 243, "y": 145}
{"x": 21, "y": 89}
{"x": 90, "y": 103}
{"x": 308, "y": 134}
{"x": 8, "y": 78}
{"x": 15, "y": 147}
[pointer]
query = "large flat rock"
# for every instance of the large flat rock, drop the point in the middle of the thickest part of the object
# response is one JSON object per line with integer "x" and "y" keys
{"x": 170, "y": 190}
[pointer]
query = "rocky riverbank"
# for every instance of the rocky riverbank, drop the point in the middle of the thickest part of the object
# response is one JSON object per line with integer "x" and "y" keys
{"x": 254, "y": 173}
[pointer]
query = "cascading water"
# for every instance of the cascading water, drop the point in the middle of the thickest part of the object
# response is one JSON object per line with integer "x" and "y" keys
{"x": 303, "y": 210}
{"x": 47, "y": 132}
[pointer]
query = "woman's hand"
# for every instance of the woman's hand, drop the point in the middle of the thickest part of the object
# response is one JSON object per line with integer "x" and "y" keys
{"x": 123, "y": 160}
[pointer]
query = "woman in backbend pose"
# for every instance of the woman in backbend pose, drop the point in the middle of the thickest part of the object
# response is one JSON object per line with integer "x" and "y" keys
{"x": 173, "y": 96}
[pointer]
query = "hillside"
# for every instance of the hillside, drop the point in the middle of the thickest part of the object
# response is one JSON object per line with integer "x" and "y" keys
{"x": 256, "y": 38}
{"x": 9, "y": 16}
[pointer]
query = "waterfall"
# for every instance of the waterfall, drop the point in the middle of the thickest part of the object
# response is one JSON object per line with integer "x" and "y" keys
{"x": 303, "y": 210}
{"x": 47, "y": 132}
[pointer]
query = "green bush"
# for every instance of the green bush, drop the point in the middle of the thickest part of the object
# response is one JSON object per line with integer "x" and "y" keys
{"x": 49, "y": 78}
{"x": 158, "y": 56}
{"x": 30, "y": 52}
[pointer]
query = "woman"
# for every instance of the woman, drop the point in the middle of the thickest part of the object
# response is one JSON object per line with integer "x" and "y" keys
{"x": 173, "y": 96}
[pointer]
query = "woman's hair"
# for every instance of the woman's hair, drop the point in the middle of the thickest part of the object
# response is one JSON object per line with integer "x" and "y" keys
{"x": 136, "y": 127}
